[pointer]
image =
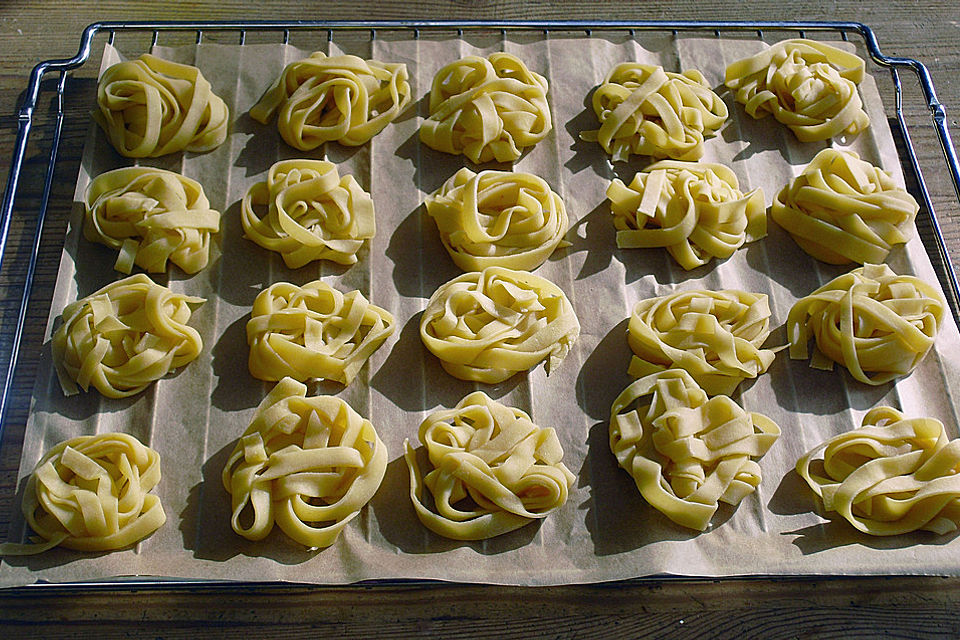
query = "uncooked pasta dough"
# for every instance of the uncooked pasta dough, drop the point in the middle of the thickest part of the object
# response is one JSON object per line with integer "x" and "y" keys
{"x": 341, "y": 99}
{"x": 313, "y": 331}
{"x": 695, "y": 210}
{"x": 493, "y": 470}
{"x": 312, "y": 213}
{"x": 716, "y": 336}
{"x": 123, "y": 337}
{"x": 842, "y": 209}
{"x": 498, "y": 218}
{"x": 877, "y": 324}
{"x": 644, "y": 110}
{"x": 92, "y": 493}
{"x": 893, "y": 475}
{"x": 150, "y": 216}
{"x": 488, "y": 325}
{"x": 685, "y": 452}
{"x": 809, "y": 86}
{"x": 487, "y": 109}
{"x": 308, "y": 464}
{"x": 150, "y": 107}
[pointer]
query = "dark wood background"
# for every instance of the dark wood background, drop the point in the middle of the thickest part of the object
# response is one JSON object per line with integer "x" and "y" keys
{"x": 909, "y": 607}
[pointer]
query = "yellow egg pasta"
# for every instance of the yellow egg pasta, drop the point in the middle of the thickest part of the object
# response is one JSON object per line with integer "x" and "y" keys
{"x": 341, "y": 99}
{"x": 312, "y": 213}
{"x": 877, "y": 324}
{"x": 313, "y": 331}
{"x": 695, "y": 210}
{"x": 487, "y": 109}
{"x": 308, "y": 464}
{"x": 488, "y": 325}
{"x": 716, "y": 336}
{"x": 809, "y": 86}
{"x": 644, "y": 110}
{"x": 150, "y": 216}
{"x": 123, "y": 337}
{"x": 92, "y": 493}
{"x": 493, "y": 470}
{"x": 685, "y": 452}
{"x": 891, "y": 476}
{"x": 150, "y": 107}
{"x": 842, "y": 209}
{"x": 498, "y": 218}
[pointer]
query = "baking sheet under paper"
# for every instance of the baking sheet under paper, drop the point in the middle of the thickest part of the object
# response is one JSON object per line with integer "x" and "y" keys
{"x": 605, "y": 531}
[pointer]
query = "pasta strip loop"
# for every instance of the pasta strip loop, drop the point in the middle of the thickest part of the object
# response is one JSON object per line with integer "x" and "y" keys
{"x": 498, "y": 218}
{"x": 891, "y": 476}
{"x": 493, "y": 470}
{"x": 308, "y": 464}
{"x": 685, "y": 452}
{"x": 695, "y": 210}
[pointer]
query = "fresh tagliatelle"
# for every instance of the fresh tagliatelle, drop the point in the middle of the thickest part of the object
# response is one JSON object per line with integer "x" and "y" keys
{"x": 644, "y": 110}
{"x": 695, "y": 210}
{"x": 842, "y": 209}
{"x": 312, "y": 213}
{"x": 313, "y": 331}
{"x": 493, "y": 470}
{"x": 891, "y": 476}
{"x": 123, "y": 337}
{"x": 716, "y": 336}
{"x": 809, "y": 86}
{"x": 308, "y": 464}
{"x": 150, "y": 216}
{"x": 334, "y": 98}
{"x": 488, "y": 325}
{"x": 877, "y": 324}
{"x": 92, "y": 493}
{"x": 150, "y": 107}
{"x": 487, "y": 109}
{"x": 685, "y": 452}
{"x": 498, "y": 218}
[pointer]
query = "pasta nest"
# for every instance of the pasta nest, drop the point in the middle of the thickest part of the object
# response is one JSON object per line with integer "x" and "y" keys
{"x": 685, "y": 452}
{"x": 312, "y": 214}
{"x": 695, "y": 210}
{"x": 809, "y": 86}
{"x": 308, "y": 464}
{"x": 842, "y": 209}
{"x": 644, "y": 110}
{"x": 877, "y": 324}
{"x": 487, "y": 109}
{"x": 150, "y": 216}
{"x": 486, "y": 326}
{"x": 716, "y": 336}
{"x": 123, "y": 337}
{"x": 313, "y": 331}
{"x": 893, "y": 475}
{"x": 493, "y": 470}
{"x": 341, "y": 99}
{"x": 92, "y": 493}
{"x": 151, "y": 107}
{"x": 498, "y": 218}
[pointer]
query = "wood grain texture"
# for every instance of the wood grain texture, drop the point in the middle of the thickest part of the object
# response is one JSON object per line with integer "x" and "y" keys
{"x": 915, "y": 607}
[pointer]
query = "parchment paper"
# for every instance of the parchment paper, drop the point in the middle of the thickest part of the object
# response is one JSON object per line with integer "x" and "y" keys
{"x": 605, "y": 531}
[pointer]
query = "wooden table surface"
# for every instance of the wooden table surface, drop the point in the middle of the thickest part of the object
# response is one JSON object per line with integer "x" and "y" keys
{"x": 915, "y": 607}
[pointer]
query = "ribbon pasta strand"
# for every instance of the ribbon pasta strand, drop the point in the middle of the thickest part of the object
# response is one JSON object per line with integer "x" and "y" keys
{"x": 308, "y": 464}
{"x": 891, "y": 476}
{"x": 493, "y": 470}
{"x": 124, "y": 337}
{"x": 695, "y": 210}
{"x": 498, "y": 218}
{"x": 685, "y": 452}
{"x": 486, "y": 326}
{"x": 150, "y": 107}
